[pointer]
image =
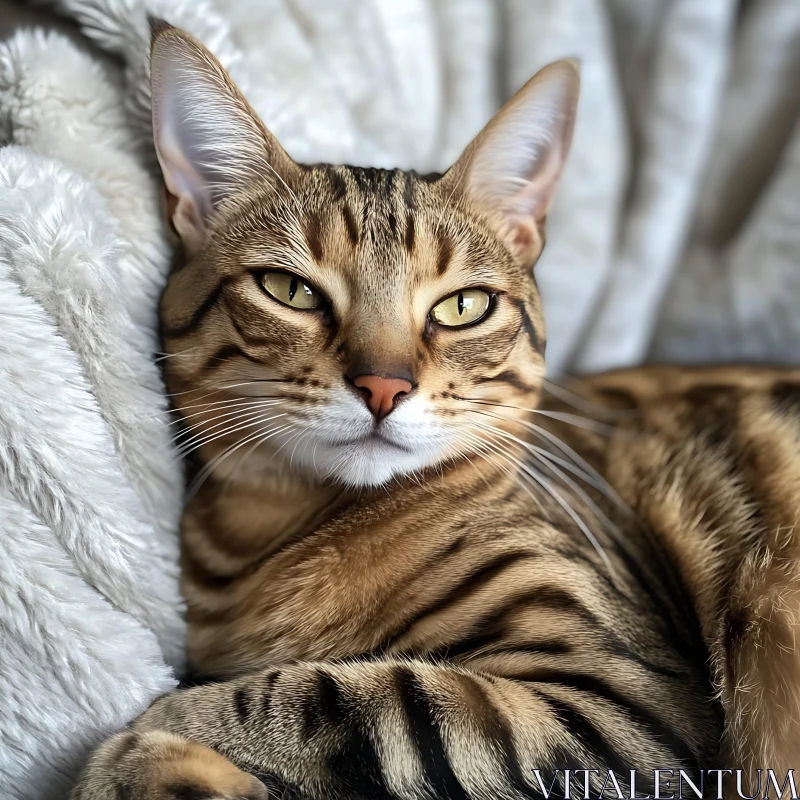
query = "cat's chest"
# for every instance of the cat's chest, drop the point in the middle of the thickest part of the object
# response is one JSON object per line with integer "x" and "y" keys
{"x": 343, "y": 590}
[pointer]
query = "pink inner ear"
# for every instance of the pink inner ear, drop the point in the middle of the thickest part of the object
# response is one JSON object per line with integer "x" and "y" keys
{"x": 513, "y": 170}
{"x": 523, "y": 236}
{"x": 182, "y": 176}
{"x": 533, "y": 199}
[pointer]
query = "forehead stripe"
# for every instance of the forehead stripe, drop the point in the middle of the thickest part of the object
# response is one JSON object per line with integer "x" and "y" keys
{"x": 338, "y": 185}
{"x": 409, "y": 192}
{"x": 410, "y": 233}
{"x": 445, "y": 251}
{"x": 350, "y": 224}
{"x": 313, "y": 230}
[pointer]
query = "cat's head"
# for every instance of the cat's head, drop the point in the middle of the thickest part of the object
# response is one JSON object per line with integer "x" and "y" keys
{"x": 358, "y": 324}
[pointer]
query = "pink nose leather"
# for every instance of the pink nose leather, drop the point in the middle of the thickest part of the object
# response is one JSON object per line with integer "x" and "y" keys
{"x": 383, "y": 392}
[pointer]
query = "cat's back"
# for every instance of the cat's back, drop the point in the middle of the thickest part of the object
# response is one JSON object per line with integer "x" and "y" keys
{"x": 699, "y": 454}
{"x": 708, "y": 459}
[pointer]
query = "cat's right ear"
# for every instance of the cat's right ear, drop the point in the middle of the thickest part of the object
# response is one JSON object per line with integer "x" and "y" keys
{"x": 209, "y": 141}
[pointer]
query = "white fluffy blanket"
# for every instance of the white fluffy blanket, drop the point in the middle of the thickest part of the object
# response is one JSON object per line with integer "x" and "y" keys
{"x": 675, "y": 235}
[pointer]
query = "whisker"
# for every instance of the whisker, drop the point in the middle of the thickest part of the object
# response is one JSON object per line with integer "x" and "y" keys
{"x": 622, "y": 542}
{"x": 579, "y": 491}
{"x": 580, "y": 468}
{"x": 192, "y": 446}
{"x": 209, "y": 468}
{"x": 302, "y": 436}
{"x": 574, "y": 419}
{"x": 587, "y": 406}
{"x": 314, "y": 457}
{"x": 562, "y": 416}
{"x": 587, "y": 477}
{"x": 225, "y": 388}
{"x": 226, "y": 426}
{"x": 559, "y": 499}
{"x": 545, "y": 458}
{"x": 513, "y": 473}
{"x": 482, "y": 450}
{"x": 592, "y": 476}
{"x": 228, "y": 413}
{"x": 221, "y": 403}
{"x": 164, "y": 356}
{"x": 256, "y": 445}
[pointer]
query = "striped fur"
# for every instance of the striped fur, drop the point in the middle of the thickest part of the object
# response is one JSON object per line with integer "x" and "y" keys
{"x": 506, "y": 592}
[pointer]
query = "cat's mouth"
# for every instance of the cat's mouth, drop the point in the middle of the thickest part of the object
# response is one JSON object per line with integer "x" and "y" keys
{"x": 352, "y": 447}
{"x": 373, "y": 438}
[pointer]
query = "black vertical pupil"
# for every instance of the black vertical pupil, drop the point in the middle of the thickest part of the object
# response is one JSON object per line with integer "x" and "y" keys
{"x": 293, "y": 288}
{"x": 460, "y": 304}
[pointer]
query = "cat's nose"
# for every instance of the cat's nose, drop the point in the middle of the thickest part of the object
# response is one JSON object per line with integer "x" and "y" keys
{"x": 381, "y": 394}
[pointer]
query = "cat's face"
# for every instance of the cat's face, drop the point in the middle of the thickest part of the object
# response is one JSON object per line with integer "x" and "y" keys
{"x": 355, "y": 324}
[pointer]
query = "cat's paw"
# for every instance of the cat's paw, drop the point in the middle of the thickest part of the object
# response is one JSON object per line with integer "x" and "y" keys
{"x": 160, "y": 766}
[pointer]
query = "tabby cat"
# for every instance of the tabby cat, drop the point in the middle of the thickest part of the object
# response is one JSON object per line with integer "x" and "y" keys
{"x": 408, "y": 574}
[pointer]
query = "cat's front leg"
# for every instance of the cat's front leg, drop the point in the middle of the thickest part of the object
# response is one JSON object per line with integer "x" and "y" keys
{"x": 405, "y": 729}
{"x": 156, "y": 765}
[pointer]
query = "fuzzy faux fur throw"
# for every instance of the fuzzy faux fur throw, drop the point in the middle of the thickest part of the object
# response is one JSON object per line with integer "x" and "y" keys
{"x": 675, "y": 235}
{"x": 90, "y": 492}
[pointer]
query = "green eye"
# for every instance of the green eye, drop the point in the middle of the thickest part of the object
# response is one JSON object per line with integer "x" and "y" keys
{"x": 462, "y": 308}
{"x": 291, "y": 290}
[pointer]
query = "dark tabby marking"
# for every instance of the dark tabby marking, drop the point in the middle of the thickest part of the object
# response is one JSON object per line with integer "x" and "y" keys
{"x": 445, "y": 252}
{"x": 410, "y": 236}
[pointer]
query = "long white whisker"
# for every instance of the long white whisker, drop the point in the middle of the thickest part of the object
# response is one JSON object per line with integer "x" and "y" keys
{"x": 228, "y": 414}
{"x": 220, "y": 404}
{"x": 209, "y": 468}
{"x": 482, "y": 449}
{"x": 588, "y": 476}
{"x": 566, "y": 507}
{"x": 591, "y": 475}
{"x": 540, "y": 451}
{"x": 512, "y": 472}
{"x": 579, "y": 491}
{"x": 574, "y": 419}
{"x": 587, "y": 406}
{"x": 248, "y": 423}
{"x": 562, "y": 416}
{"x": 165, "y": 356}
{"x": 300, "y": 439}
{"x": 225, "y": 388}
{"x": 257, "y": 444}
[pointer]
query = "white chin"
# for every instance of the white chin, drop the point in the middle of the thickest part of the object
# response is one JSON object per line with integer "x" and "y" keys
{"x": 367, "y": 463}
{"x": 342, "y": 445}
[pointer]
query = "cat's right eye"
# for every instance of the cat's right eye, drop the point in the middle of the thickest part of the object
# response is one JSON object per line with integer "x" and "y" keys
{"x": 291, "y": 290}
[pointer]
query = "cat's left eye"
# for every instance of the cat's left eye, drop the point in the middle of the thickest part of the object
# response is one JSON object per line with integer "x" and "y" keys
{"x": 291, "y": 290}
{"x": 462, "y": 308}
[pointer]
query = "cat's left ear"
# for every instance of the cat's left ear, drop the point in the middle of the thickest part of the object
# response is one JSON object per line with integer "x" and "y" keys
{"x": 511, "y": 169}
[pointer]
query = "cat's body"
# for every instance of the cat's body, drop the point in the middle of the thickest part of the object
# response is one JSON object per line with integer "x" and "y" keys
{"x": 408, "y": 584}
